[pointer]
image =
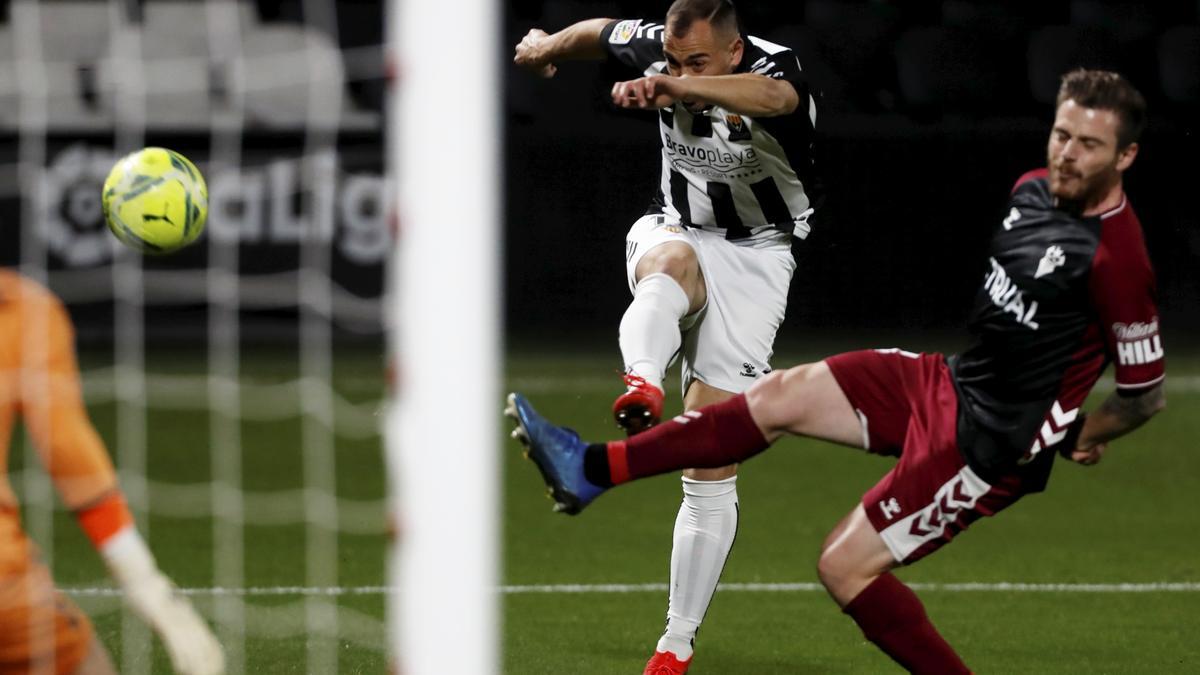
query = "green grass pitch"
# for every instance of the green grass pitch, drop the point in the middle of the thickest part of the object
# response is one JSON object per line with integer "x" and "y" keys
{"x": 1131, "y": 519}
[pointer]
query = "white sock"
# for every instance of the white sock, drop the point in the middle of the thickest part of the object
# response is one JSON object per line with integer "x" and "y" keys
{"x": 704, "y": 532}
{"x": 649, "y": 335}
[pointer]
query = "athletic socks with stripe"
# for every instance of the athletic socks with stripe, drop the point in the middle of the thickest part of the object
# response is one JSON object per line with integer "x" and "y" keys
{"x": 713, "y": 436}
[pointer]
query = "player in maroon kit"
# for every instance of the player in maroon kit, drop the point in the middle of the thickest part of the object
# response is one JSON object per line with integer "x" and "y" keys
{"x": 1068, "y": 288}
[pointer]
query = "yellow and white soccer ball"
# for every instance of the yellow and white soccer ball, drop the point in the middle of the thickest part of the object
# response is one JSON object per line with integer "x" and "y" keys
{"x": 155, "y": 201}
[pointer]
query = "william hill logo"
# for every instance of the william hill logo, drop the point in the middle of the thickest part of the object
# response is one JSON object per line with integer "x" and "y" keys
{"x": 1138, "y": 342}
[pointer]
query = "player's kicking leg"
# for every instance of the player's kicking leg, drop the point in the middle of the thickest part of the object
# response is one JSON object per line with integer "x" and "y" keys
{"x": 805, "y": 400}
{"x": 667, "y": 285}
{"x": 726, "y": 351}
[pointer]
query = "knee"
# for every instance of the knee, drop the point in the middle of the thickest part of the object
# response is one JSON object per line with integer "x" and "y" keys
{"x": 831, "y": 567}
{"x": 777, "y": 400}
{"x": 765, "y": 401}
{"x": 678, "y": 262}
{"x": 842, "y": 574}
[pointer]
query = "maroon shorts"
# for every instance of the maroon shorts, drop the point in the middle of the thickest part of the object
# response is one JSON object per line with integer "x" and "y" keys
{"x": 908, "y": 408}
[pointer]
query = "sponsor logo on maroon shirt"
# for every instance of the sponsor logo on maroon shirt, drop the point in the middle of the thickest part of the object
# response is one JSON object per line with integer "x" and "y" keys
{"x": 1006, "y": 295}
{"x": 1138, "y": 342}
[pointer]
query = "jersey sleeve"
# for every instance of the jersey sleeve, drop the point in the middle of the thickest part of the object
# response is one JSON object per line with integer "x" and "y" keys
{"x": 1123, "y": 293}
{"x": 783, "y": 65}
{"x": 52, "y": 406}
{"x": 635, "y": 43}
{"x": 780, "y": 63}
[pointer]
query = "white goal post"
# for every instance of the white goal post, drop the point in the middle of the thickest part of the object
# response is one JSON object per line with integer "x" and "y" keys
{"x": 443, "y": 427}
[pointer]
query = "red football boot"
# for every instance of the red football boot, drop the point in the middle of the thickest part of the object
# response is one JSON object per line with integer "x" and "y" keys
{"x": 665, "y": 663}
{"x": 640, "y": 407}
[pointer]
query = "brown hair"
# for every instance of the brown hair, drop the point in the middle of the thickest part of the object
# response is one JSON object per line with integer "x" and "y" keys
{"x": 720, "y": 14}
{"x": 1106, "y": 90}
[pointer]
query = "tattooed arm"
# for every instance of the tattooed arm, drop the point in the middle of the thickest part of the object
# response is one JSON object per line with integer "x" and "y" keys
{"x": 1117, "y": 416}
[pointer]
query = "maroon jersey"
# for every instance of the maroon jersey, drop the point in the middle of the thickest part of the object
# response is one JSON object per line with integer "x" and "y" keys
{"x": 1063, "y": 295}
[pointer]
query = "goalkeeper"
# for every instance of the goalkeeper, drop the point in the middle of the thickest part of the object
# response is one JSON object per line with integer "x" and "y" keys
{"x": 41, "y": 630}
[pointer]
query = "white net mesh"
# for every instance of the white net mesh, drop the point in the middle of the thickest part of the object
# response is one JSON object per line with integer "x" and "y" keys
{"x": 254, "y": 472}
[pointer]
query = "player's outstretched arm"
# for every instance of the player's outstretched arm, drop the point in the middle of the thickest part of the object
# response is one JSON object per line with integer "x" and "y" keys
{"x": 539, "y": 51}
{"x": 54, "y": 413}
{"x": 746, "y": 94}
{"x": 1116, "y": 416}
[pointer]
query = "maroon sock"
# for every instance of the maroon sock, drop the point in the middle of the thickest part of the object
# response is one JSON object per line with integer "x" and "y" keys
{"x": 891, "y": 616}
{"x": 713, "y": 436}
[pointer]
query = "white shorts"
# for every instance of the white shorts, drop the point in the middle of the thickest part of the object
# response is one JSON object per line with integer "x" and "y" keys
{"x": 727, "y": 344}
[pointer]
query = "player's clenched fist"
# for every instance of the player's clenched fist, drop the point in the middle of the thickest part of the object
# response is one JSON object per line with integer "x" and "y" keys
{"x": 655, "y": 91}
{"x": 1089, "y": 456}
{"x": 533, "y": 53}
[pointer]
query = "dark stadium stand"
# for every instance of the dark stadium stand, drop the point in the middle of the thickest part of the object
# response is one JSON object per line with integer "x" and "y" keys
{"x": 987, "y": 58}
{"x": 287, "y": 76}
{"x": 1178, "y": 54}
{"x": 1053, "y": 50}
{"x": 951, "y": 70}
{"x": 930, "y": 109}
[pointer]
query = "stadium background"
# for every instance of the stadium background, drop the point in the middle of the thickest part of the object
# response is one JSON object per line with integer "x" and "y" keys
{"x": 930, "y": 110}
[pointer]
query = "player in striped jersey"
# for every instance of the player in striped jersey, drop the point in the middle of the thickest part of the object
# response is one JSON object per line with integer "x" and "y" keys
{"x": 710, "y": 262}
{"x": 41, "y": 630}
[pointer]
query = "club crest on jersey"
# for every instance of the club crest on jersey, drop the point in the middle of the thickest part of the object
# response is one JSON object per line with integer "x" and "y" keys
{"x": 738, "y": 129}
{"x": 1006, "y": 295}
{"x": 624, "y": 31}
{"x": 1013, "y": 217}
{"x": 1054, "y": 259}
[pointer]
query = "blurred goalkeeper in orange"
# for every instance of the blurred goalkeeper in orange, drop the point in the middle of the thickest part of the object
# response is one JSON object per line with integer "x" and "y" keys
{"x": 41, "y": 630}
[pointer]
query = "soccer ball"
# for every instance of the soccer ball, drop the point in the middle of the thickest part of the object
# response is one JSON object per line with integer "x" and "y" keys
{"x": 155, "y": 201}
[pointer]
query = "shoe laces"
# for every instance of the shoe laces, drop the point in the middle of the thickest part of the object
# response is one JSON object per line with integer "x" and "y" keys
{"x": 634, "y": 381}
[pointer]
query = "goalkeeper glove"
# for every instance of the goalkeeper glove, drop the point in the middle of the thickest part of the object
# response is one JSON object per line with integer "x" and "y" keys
{"x": 151, "y": 595}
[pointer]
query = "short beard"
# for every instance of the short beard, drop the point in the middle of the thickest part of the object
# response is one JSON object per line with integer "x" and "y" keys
{"x": 1090, "y": 196}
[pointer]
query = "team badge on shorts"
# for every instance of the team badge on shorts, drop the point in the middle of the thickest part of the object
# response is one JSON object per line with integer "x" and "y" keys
{"x": 623, "y": 32}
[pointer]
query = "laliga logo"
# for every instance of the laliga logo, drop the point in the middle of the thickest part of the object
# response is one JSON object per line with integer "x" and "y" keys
{"x": 247, "y": 205}
{"x": 69, "y": 204}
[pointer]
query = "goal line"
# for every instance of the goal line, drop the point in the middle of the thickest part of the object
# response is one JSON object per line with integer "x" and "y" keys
{"x": 782, "y": 587}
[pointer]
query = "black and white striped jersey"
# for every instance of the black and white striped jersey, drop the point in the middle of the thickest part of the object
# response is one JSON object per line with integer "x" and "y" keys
{"x": 750, "y": 179}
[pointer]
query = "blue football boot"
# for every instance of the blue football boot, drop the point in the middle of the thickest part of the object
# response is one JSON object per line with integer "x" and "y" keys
{"x": 557, "y": 452}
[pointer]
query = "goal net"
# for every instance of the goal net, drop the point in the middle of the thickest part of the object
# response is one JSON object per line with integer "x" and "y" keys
{"x": 238, "y": 384}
